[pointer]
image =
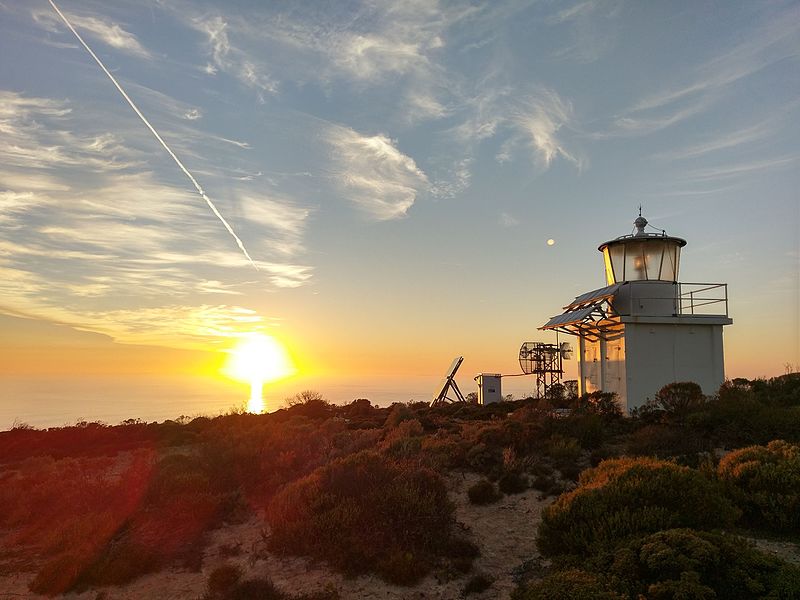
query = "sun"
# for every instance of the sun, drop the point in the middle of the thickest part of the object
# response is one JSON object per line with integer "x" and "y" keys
{"x": 258, "y": 359}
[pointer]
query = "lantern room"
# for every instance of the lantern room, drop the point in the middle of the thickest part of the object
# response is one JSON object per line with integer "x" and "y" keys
{"x": 642, "y": 256}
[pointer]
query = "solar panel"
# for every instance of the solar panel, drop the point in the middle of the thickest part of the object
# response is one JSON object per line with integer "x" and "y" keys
{"x": 594, "y": 295}
{"x": 570, "y": 317}
{"x": 448, "y": 381}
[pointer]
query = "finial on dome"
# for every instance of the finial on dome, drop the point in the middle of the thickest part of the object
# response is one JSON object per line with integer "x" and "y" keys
{"x": 640, "y": 223}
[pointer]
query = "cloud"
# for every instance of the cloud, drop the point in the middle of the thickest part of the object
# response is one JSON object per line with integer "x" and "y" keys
{"x": 229, "y": 59}
{"x": 534, "y": 118}
{"x": 175, "y": 325}
{"x": 193, "y": 114}
{"x": 773, "y": 41}
{"x": 104, "y": 31}
{"x": 507, "y": 220}
{"x": 286, "y": 221}
{"x": 455, "y": 181}
{"x": 33, "y": 136}
{"x": 374, "y": 174}
{"x": 590, "y": 26}
{"x": 539, "y": 121}
{"x": 83, "y": 219}
{"x": 735, "y": 170}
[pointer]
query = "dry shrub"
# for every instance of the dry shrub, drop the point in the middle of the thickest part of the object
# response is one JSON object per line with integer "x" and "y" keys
{"x": 571, "y": 584}
{"x": 483, "y": 492}
{"x": 625, "y": 497}
{"x": 366, "y": 512}
{"x": 65, "y": 512}
{"x": 765, "y": 483}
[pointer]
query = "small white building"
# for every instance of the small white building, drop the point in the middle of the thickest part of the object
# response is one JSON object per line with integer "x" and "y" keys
{"x": 645, "y": 329}
{"x": 489, "y": 388}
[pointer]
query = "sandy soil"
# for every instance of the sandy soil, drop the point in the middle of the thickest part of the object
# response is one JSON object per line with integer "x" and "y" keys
{"x": 504, "y": 531}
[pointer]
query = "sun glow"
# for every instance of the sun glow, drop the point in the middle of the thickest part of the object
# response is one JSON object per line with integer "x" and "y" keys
{"x": 258, "y": 359}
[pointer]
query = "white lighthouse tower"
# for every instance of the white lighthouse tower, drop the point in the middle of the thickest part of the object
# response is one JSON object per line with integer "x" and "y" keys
{"x": 645, "y": 329}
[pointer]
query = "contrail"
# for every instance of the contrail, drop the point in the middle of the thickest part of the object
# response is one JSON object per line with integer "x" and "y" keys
{"x": 158, "y": 137}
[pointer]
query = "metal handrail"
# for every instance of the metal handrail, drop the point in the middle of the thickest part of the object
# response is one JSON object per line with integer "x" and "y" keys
{"x": 694, "y": 297}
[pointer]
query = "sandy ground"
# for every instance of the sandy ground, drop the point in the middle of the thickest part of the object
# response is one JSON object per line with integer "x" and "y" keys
{"x": 504, "y": 531}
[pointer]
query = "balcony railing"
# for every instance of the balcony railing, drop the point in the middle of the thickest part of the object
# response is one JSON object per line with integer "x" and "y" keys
{"x": 702, "y": 299}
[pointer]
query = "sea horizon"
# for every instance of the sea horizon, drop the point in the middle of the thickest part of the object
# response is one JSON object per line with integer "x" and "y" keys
{"x": 58, "y": 400}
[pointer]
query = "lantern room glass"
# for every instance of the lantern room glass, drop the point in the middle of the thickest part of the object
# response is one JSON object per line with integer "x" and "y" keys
{"x": 651, "y": 259}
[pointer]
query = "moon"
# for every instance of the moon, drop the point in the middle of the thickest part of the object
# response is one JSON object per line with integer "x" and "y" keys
{"x": 551, "y": 242}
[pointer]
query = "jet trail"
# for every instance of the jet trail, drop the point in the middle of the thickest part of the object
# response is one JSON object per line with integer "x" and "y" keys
{"x": 157, "y": 136}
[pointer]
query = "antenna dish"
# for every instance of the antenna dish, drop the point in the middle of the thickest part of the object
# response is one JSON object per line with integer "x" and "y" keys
{"x": 449, "y": 384}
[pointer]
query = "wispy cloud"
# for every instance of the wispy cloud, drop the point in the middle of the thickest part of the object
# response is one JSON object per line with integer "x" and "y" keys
{"x": 230, "y": 59}
{"x": 590, "y": 28}
{"x": 97, "y": 28}
{"x": 373, "y": 173}
{"x": 83, "y": 218}
{"x": 539, "y": 120}
{"x": 775, "y": 40}
{"x": 507, "y": 220}
{"x": 732, "y": 171}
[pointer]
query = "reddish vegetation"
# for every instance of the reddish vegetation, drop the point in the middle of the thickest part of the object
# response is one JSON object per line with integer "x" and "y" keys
{"x": 361, "y": 488}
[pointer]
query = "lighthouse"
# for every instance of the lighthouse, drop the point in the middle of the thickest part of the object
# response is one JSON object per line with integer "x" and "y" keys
{"x": 646, "y": 329}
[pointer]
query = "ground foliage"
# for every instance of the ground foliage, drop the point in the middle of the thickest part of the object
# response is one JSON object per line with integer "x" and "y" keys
{"x": 90, "y": 504}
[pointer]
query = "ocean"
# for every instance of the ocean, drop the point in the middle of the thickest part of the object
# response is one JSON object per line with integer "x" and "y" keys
{"x": 56, "y": 401}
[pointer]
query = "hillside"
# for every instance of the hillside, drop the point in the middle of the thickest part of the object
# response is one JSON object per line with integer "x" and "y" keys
{"x": 355, "y": 501}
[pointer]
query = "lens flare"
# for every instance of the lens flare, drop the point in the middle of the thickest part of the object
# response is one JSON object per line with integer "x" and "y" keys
{"x": 258, "y": 359}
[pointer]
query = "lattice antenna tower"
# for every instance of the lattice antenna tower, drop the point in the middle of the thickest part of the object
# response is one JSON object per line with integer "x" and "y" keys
{"x": 545, "y": 361}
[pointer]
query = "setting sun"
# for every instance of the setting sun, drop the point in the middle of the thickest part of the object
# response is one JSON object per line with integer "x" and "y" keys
{"x": 258, "y": 359}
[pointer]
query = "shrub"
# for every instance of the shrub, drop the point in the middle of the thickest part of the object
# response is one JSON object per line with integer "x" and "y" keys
{"x": 365, "y": 512}
{"x": 668, "y": 441}
{"x": 478, "y": 583}
{"x": 222, "y": 580}
{"x": 679, "y": 398}
{"x": 603, "y": 404}
{"x": 483, "y": 492}
{"x": 682, "y": 563}
{"x": 562, "y": 448}
{"x": 485, "y": 459}
{"x": 399, "y": 413}
{"x": 625, "y": 497}
{"x": 512, "y": 482}
{"x": 571, "y": 584}
{"x": 765, "y": 483}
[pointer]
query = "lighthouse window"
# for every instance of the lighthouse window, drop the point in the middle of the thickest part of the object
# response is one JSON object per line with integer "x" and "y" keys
{"x": 654, "y": 256}
{"x": 617, "y": 257}
{"x": 635, "y": 262}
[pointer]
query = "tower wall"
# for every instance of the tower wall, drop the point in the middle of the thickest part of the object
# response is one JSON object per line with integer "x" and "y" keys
{"x": 645, "y": 356}
{"x": 603, "y": 367}
{"x": 662, "y": 353}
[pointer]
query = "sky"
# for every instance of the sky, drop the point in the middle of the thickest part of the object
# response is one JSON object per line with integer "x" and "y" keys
{"x": 395, "y": 171}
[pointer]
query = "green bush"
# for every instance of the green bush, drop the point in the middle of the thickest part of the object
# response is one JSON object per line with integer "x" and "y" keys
{"x": 571, "y": 584}
{"x": 682, "y": 563}
{"x": 483, "y": 492}
{"x": 363, "y": 513}
{"x": 625, "y": 497}
{"x": 765, "y": 483}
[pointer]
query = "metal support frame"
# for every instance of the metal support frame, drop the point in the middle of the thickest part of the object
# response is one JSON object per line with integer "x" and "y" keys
{"x": 543, "y": 360}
